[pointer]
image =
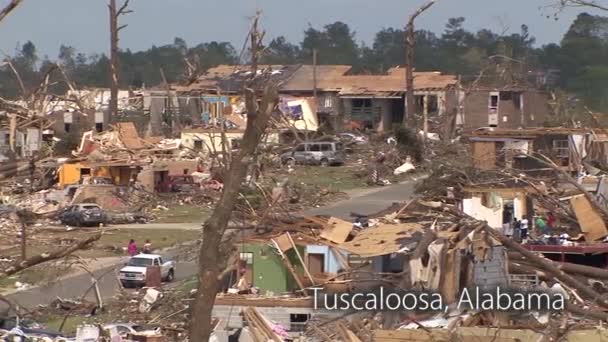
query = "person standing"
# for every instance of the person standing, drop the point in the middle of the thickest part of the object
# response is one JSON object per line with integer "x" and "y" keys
{"x": 551, "y": 220}
{"x": 523, "y": 229}
{"x": 541, "y": 225}
{"x": 132, "y": 248}
{"x": 507, "y": 229}
{"x": 148, "y": 247}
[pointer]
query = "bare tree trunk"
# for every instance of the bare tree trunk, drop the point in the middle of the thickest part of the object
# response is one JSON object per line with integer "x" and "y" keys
{"x": 9, "y": 8}
{"x": 215, "y": 252}
{"x": 114, "y": 58}
{"x": 409, "y": 119}
{"x": 113, "y": 61}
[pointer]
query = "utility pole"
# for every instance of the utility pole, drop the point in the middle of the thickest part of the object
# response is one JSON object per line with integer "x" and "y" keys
{"x": 409, "y": 119}
{"x": 114, "y": 58}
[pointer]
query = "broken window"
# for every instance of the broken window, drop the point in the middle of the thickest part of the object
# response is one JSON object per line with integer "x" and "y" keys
{"x": 66, "y": 127}
{"x": 362, "y": 103}
{"x": 328, "y": 101}
{"x": 297, "y": 322}
{"x": 325, "y": 147}
{"x": 198, "y": 145}
{"x": 561, "y": 149}
{"x": 432, "y": 104}
{"x": 493, "y": 101}
{"x": 99, "y": 127}
{"x": 315, "y": 148}
{"x": 506, "y": 96}
{"x": 235, "y": 144}
{"x": 247, "y": 258}
{"x": 517, "y": 101}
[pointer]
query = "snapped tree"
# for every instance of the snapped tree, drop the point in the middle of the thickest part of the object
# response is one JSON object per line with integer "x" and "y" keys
{"x": 410, "y": 43}
{"x": 216, "y": 251}
{"x": 115, "y": 13}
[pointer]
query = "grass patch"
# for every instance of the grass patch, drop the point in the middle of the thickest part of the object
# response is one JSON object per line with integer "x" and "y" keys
{"x": 338, "y": 178}
{"x": 185, "y": 213}
{"x": 112, "y": 242}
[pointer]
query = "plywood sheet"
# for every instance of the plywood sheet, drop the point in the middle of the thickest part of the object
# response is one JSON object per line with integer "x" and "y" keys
{"x": 283, "y": 242}
{"x": 384, "y": 239}
{"x": 591, "y": 222}
{"x": 337, "y": 230}
{"x": 484, "y": 154}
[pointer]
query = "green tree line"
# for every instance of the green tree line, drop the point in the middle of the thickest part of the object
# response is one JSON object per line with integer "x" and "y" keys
{"x": 577, "y": 64}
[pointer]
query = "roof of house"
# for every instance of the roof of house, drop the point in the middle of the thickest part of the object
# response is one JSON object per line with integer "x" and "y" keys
{"x": 334, "y": 78}
{"x": 232, "y": 78}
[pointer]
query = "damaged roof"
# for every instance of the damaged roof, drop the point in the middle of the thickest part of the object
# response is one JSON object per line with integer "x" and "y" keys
{"x": 331, "y": 78}
{"x": 232, "y": 78}
{"x": 384, "y": 239}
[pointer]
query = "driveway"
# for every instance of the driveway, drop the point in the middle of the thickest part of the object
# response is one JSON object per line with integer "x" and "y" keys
{"x": 365, "y": 201}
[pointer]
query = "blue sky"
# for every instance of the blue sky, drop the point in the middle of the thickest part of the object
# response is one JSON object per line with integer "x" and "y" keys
{"x": 83, "y": 24}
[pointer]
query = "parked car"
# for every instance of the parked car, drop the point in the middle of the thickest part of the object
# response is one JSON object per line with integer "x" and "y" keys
{"x": 134, "y": 273}
{"x": 182, "y": 183}
{"x": 323, "y": 153}
{"x": 83, "y": 214}
{"x": 354, "y": 138}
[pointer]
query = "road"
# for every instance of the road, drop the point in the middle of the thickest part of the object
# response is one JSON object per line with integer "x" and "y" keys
{"x": 370, "y": 202}
{"x": 364, "y": 202}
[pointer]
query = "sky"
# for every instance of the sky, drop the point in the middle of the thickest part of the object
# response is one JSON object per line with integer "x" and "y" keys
{"x": 83, "y": 24}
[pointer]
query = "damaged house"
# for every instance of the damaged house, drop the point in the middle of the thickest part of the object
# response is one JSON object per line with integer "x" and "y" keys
{"x": 371, "y": 101}
{"x": 505, "y": 108}
{"x": 566, "y": 147}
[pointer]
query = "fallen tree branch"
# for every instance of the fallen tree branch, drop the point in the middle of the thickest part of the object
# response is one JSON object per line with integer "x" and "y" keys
{"x": 9, "y": 8}
{"x": 44, "y": 257}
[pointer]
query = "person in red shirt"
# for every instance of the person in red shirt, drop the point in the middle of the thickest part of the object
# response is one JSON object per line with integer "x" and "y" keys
{"x": 551, "y": 220}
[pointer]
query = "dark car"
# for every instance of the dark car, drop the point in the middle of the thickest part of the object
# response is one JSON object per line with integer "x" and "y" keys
{"x": 182, "y": 183}
{"x": 84, "y": 214}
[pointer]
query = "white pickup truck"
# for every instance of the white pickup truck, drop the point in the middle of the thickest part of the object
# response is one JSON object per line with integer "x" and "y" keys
{"x": 134, "y": 273}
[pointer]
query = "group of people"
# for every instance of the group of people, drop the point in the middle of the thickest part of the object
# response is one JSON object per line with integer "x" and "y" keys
{"x": 519, "y": 228}
{"x": 133, "y": 250}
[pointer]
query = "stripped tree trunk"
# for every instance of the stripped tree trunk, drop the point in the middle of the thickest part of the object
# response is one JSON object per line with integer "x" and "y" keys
{"x": 113, "y": 61}
{"x": 115, "y": 13}
{"x": 409, "y": 119}
{"x": 215, "y": 251}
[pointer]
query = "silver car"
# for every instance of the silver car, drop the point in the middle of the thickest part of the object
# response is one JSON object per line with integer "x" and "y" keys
{"x": 322, "y": 153}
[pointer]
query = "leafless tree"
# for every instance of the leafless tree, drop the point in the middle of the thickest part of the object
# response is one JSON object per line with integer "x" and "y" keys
{"x": 410, "y": 43}
{"x": 9, "y": 8}
{"x": 216, "y": 250}
{"x": 115, "y": 13}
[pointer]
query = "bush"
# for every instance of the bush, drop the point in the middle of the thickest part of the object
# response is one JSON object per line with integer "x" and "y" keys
{"x": 409, "y": 143}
